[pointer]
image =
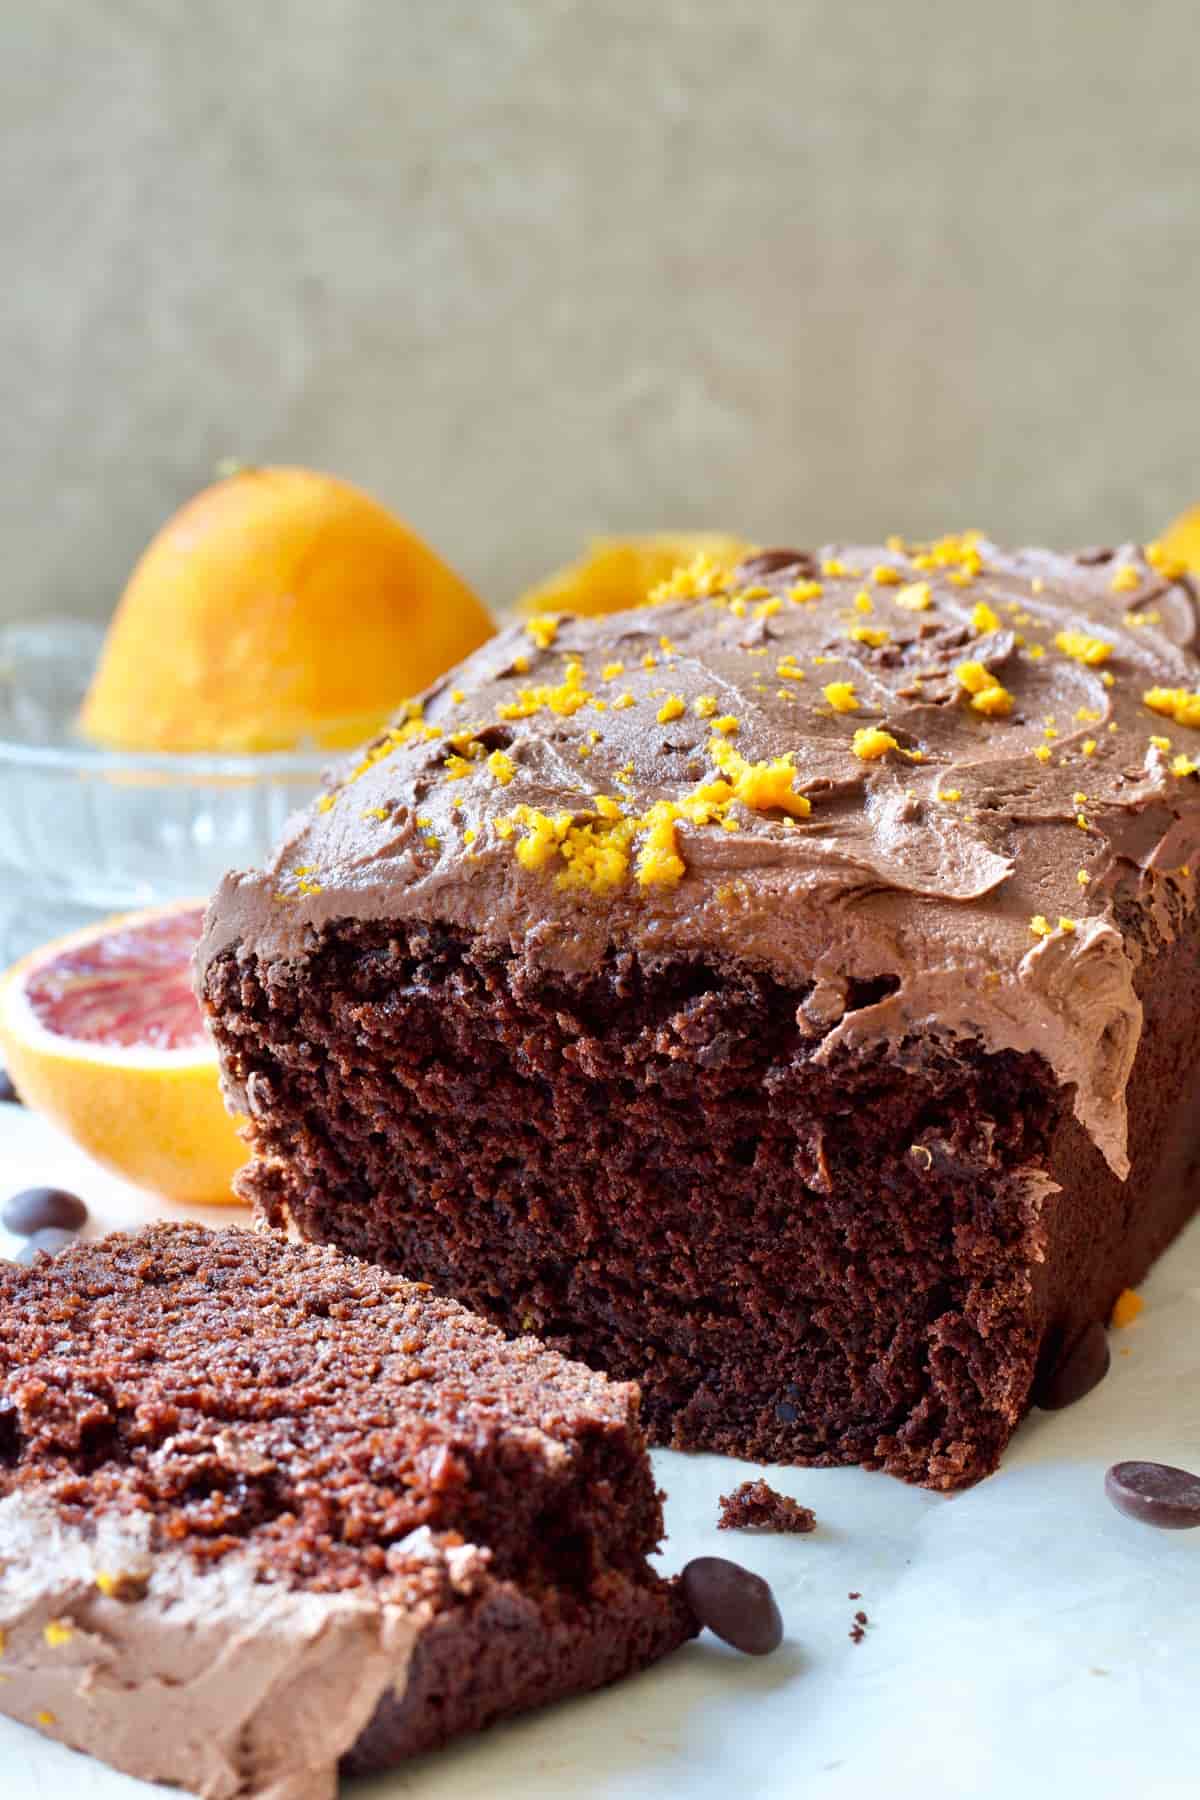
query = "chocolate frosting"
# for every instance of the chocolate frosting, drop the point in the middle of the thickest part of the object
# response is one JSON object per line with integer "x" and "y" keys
{"x": 933, "y": 864}
{"x": 215, "y": 1681}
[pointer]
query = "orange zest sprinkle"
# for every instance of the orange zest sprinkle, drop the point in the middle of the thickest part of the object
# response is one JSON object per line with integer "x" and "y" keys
{"x": 1126, "y": 1308}
{"x": 565, "y": 699}
{"x": 699, "y": 579}
{"x": 543, "y": 629}
{"x": 987, "y": 695}
{"x": 1174, "y": 703}
{"x": 1083, "y": 648}
{"x": 870, "y": 742}
{"x": 841, "y": 696}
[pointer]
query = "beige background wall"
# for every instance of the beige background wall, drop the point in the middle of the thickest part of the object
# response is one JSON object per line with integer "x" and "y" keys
{"x": 532, "y": 269}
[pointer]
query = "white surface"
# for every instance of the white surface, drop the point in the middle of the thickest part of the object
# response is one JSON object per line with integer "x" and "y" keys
{"x": 1025, "y": 1640}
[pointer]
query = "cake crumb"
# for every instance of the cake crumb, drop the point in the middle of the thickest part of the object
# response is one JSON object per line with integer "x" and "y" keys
{"x": 754, "y": 1506}
{"x": 858, "y": 1629}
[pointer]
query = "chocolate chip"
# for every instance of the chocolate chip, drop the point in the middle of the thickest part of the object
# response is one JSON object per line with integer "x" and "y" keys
{"x": 38, "y": 1208}
{"x": 1077, "y": 1371}
{"x": 1155, "y": 1493}
{"x": 8, "y": 1093}
{"x": 734, "y": 1603}
{"x": 51, "y": 1240}
{"x": 786, "y": 1413}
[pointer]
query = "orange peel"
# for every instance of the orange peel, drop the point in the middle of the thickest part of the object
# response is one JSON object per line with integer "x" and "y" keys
{"x": 280, "y": 608}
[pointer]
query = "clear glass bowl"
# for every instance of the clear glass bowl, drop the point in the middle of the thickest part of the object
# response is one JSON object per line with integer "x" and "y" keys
{"x": 85, "y": 832}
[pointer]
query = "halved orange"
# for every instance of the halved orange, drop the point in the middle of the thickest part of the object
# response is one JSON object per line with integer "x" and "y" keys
{"x": 102, "y": 1033}
{"x": 280, "y": 608}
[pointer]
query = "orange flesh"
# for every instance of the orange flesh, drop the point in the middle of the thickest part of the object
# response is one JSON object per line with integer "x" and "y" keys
{"x": 131, "y": 988}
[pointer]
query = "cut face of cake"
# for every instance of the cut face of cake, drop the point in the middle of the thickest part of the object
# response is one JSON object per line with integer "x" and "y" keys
{"x": 266, "y": 1511}
{"x": 786, "y": 994}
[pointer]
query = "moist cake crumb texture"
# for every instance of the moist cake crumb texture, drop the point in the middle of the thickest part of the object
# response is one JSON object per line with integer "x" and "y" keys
{"x": 755, "y": 1506}
{"x": 210, "y": 1439}
{"x": 785, "y": 994}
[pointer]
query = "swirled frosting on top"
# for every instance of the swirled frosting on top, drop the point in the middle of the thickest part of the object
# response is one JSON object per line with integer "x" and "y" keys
{"x": 967, "y": 773}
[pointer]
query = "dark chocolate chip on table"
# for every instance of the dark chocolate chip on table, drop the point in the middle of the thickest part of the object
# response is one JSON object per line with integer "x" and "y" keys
{"x": 8, "y": 1093}
{"x": 53, "y": 1239}
{"x": 1156, "y": 1494}
{"x": 1076, "y": 1372}
{"x": 39, "y": 1208}
{"x": 734, "y": 1603}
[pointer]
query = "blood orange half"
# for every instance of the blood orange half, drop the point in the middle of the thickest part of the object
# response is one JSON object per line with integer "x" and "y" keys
{"x": 102, "y": 1033}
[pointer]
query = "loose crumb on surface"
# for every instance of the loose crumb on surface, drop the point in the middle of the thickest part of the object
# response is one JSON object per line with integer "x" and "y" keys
{"x": 754, "y": 1506}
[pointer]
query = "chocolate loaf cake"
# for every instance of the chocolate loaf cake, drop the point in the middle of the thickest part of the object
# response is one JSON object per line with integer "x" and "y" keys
{"x": 265, "y": 1510}
{"x": 786, "y": 994}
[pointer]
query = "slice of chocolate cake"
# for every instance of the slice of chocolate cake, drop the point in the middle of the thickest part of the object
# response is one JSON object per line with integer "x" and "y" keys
{"x": 787, "y": 994}
{"x": 265, "y": 1511}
